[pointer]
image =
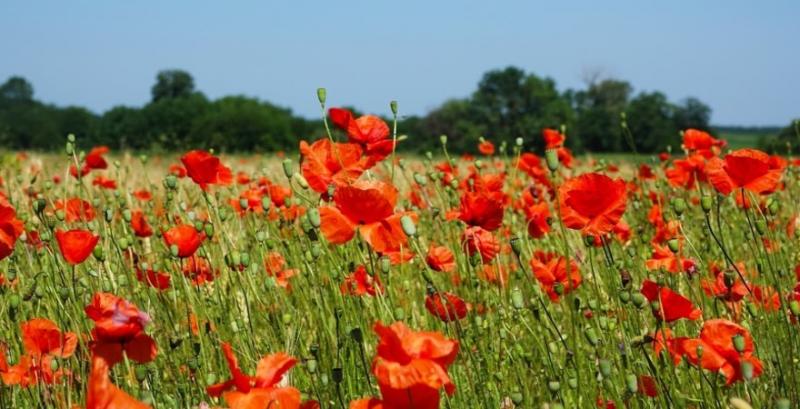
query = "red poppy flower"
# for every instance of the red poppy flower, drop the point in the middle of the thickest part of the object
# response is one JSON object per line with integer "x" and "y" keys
{"x": 701, "y": 142}
{"x": 550, "y": 269}
{"x": 663, "y": 340}
{"x": 76, "y": 245}
{"x": 647, "y": 386}
{"x": 101, "y": 393}
{"x": 199, "y": 270}
{"x": 143, "y": 195}
{"x": 155, "y": 279}
{"x": 275, "y": 265}
{"x": 481, "y": 241}
{"x": 482, "y": 209}
{"x": 43, "y": 341}
{"x": 766, "y": 297}
{"x": 446, "y": 306}
{"x": 11, "y": 228}
{"x": 440, "y": 258}
{"x": 366, "y": 206}
{"x": 206, "y": 169}
{"x": 670, "y": 306}
{"x": 325, "y": 163}
{"x": 538, "y": 216}
{"x": 686, "y": 172}
{"x": 553, "y": 139}
{"x": 360, "y": 283}
{"x": 177, "y": 170}
{"x": 119, "y": 322}
{"x": 646, "y": 172}
{"x": 719, "y": 353}
{"x": 726, "y": 289}
{"x": 592, "y": 203}
{"x": 369, "y": 131}
{"x": 75, "y": 209}
{"x": 104, "y": 183}
{"x": 185, "y": 238}
{"x": 260, "y": 391}
{"x": 486, "y": 148}
{"x": 747, "y": 169}
{"x": 139, "y": 224}
{"x": 664, "y": 258}
{"x": 95, "y": 160}
{"x": 411, "y": 367}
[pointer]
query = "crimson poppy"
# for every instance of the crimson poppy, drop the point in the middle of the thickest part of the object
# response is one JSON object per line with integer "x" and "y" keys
{"x": 486, "y": 148}
{"x": 75, "y": 209}
{"x": 101, "y": 393}
{"x": 369, "y": 131}
{"x": 718, "y": 351}
{"x": 360, "y": 283}
{"x": 185, "y": 238}
{"x": 325, "y": 163}
{"x": 11, "y": 228}
{"x": 206, "y": 169}
{"x": 592, "y": 203}
{"x": 120, "y": 323}
{"x": 482, "y": 209}
{"x": 139, "y": 224}
{"x": 446, "y": 306}
{"x": 76, "y": 245}
{"x": 669, "y": 305}
{"x": 478, "y": 240}
{"x": 747, "y": 169}
{"x": 538, "y": 218}
{"x": 440, "y": 258}
{"x": 554, "y": 275}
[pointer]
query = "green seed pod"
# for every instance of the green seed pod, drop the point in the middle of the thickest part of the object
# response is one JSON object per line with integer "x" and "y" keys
{"x": 673, "y": 245}
{"x": 519, "y": 141}
{"x": 123, "y": 243}
{"x": 625, "y": 296}
{"x": 699, "y": 351}
{"x": 554, "y": 386}
{"x": 572, "y": 383}
{"x": 420, "y": 179}
{"x": 551, "y": 157}
{"x": 314, "y": 217}
{"x": 443, "y": 139}
{"x": 311, "y": 364}
{"x": 173, "y": 249}
{"x": 738, "y": 343}
{"x": 171, "y": 182}
{"x": 409, "y": 228}
{"x": 399, "y": 314}
{"x": 774, "y": 207}
{"x": 266, "y": 203}
{"x": 316, "y": 250}
{"x": 288, "y": 168}
{"x": 591, "y": 336}
{"x": 517, "y": 300}
{"x": 126, "y": 215}
{"x": 98, "y": 253}
{"x": 244, "y": 204}
{"x": 208, "y": 229}
{"x": 141, "y": 373}
{"x": 679, "y": 206}
{"x": 706, "y": 202}
{"x": 301, "y": 180}
{"x": 393, "y": 107}
{"x": 60, "y": 215}
{"x": 385, "y": 264}
{"x": 54, "y": 365}
{"x": 747, "y": 370}
{"x": 605, "y": 368}
{"x": 794, "y": 307}
{"x": 39, "y": 205}
{"x": 516, "y": 397}
{"x": 761, "y": 226}
{"x": 69, "y": 149}
{"x": 516, "y": 245}
{"x": 631, "y": 383}
{"x": 322, "y": 95}
{"x": 639, "y": 300}
{"x": 13, "y": 301}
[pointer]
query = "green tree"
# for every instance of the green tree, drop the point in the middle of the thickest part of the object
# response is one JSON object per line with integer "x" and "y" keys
{"x": 650, "y": 120}
{"x": 598, "y": 109}
{"x": 172, "y": 84}
{"x": 693, "y": 113}
{"x": 240, "y": 123}
{"x": 16, "y": 89}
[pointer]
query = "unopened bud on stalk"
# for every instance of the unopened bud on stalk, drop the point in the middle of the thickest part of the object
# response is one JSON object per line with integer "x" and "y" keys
{"x": 747, "y": 370}
{"x": 631, "y": 383}
{"x": 678, "y": 206}
{"x": 639, "y": 300}
{"x": 554, "y": 386}
{"x": 420, "y": 179}
{"x": 673, "y": 245}
{"x": 794, "y": 307}
{"x": 173, "y": 249}
{"x": 605, "y": 367}
{"x": 443, "y": 139}
{"x": 301, "y": 180}
{"x": 551, "y": 157}
{"x": 126, "y": 215}
{"x": 517, "y": 300}
{"x": 288, "y": 169}
{"x": 314, "y": 217}
{"x": 519, "y": 141}
{"x": 516, "y": 245}
{"x": 393, "y": 107}
{"x": 409, "y": 228}
{"x": 98, "y": 253}
{"x": 706, "y": 203}
{"x": 591, "y": 336}
{"x": 773, "y": 206}
{"x": 322, "y": 95}
{"x": 761, "y": 226}
{"x": 738, "y": 343}
{"x": 171, "y": 182}
{"x": 39, "y": 205}
{"x": 385, "y": 264}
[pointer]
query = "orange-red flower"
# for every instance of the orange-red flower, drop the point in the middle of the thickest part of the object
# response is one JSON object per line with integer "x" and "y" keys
{"x": 553, "y": 139}
{"x": 43, "y": 341}
{"x": 411, "y": 367}
{"x": 104, "y": 182}
{"x": 537, "y": 216}
{"x": 486, "y": 148}
{"x": 446, "y": 306}
{"x": 186, "y": 238}
{"x": 75, "y": 209}
{"x": 686, "y": 172}
{"x": 481, "y": 241}
{"x": 10, "y": 228}
{"x": 366, "y": 206}
{"x": 360, "y": 283}
{"x": 718, "y": 351}
{"x": 664, "y": 258}
{"x": 101, "y": 393}
{"x": 139, "y": 224}
{"x": 260, "y": 391}
{"x": 440, "y": 258}
{"x": 701, "y": 142}
{"x": 668, "y": 305}
{"x": 550, "y": 269}
{"x": 76, "y": 245}
{"x": 325, "y": 163}
{"x": 747, "y": 169}
{"x": 206, "y": 169}
{"x": 484, "y": 209}
{"x": 369, "y": 131}
{"x": 592, "y": 203}
{"x": 119, "y": 322}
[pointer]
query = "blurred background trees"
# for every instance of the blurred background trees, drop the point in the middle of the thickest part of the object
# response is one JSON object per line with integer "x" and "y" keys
{"x": 508, "y": 103}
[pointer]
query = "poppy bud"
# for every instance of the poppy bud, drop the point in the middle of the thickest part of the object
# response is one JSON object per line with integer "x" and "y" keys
{"x": 554, "y": 386}
{"x": 589, "y": 241}
{"x": 173, "y": 250}
{"x": 761, "y": 226}
{"x": 516, "y": 245}
{"x": 605, "y": 367}
{"x": 551, "y": 157}
{"x": 357, "y": 335}
{"x": 399, "y": 314}
{"x": 747, "y": 370}
{"x": 301, "y": 180}
{"x": 385, "y": 264}
{"x": 699, "y": 351}
{"x": 678, "y": 206}
{"x": 60, "y": 215}
{"x": 420, "y": 179}
{"x": 443, "y": 139}
{"x": 519, "y": 141}
{"x": 393, "y": 107}
{"x": 408, "y": 226}
{"x": 311, "y": 364}
{"x": 69, "y": 148}
{"x": 706, "y": 202}
{"x": 39, "y": 205}
{"x": 794, "y": 307}
{"x": 631, "y": 383}
{"x": 625, "y": 297}
{"x": 558, "y": 288}
{"x": 331, "y": 190}
{"x": 773, "y": 206}
{"x": 288, "y": 169}
{"x": 171, "y": 181}
{"x": 516, "y": 397}
{"x": 517, "y": 301}
{"x": 141, "y": 373}
{"x": 478, "y": 165}
{"x": 673, "y": 245}
{"x": 322, "y": 95}
{"x": 98, "y": 253}
{"x": 738, "y": 343}
{"x": 639, "y": 300}
{"x": 591, "y": 336}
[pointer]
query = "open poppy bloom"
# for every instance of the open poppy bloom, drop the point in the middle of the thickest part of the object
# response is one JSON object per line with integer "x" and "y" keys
{"x": 139, "y": 224}
{"x": 369, "y": 131}
{"x": 729, "y": 288}
{"x": 484, "y": 209}
{"x": 480, "y": 241}
{"x": 76, "y": 245}
{"x": 275, "y": 265}
{"x": 592, "y": 203}
{"x": 325, "y": 163}
{"x": 11, "y": 228}
{"x": 550, "y": 269}
{"x": 446, "y": 306}
{"x": 199, "y": 270}
{"x": 360, "y": 282}
{"x": 75, "y": 209}
{"x": 701, "y": 142}
{"x": 206, "y": 169}
{"x": 668, "y": 305}
{"x": 43, "y": 341}
{"x": 719, "y": 353}
{"x": 101, "y": 393}
{"x": 440, "y": 258}
{"x": 747, "y": 169}
{"x": 664, "y": 258}
{"x": 118, "y": 322}
{"x": 104, "y": 183}
{"x": 686, "y": 172}
{"x": 537, "y": 216}
{"x": 411, "y": 367}
{"x": 486, "y": 148}
{"x": 260, "y": 391}
{"x": 553, "y": 139}
{"x": 93, "y": 160}
{"x": 155, "y": 279}
{"x": 186, "y": 238}
{"x": 366, "y": 206}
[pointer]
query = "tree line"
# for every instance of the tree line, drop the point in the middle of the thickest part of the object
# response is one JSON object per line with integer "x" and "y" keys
{"x": 509, "y": 103}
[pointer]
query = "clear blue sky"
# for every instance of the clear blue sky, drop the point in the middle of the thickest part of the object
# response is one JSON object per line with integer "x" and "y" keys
{"x": 740, "y": 57}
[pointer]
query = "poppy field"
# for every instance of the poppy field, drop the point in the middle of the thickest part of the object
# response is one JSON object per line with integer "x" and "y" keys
{"x": 351, "y": 275}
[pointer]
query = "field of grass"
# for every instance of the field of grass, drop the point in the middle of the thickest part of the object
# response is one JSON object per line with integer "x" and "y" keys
{"x": 347, "y": 277}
